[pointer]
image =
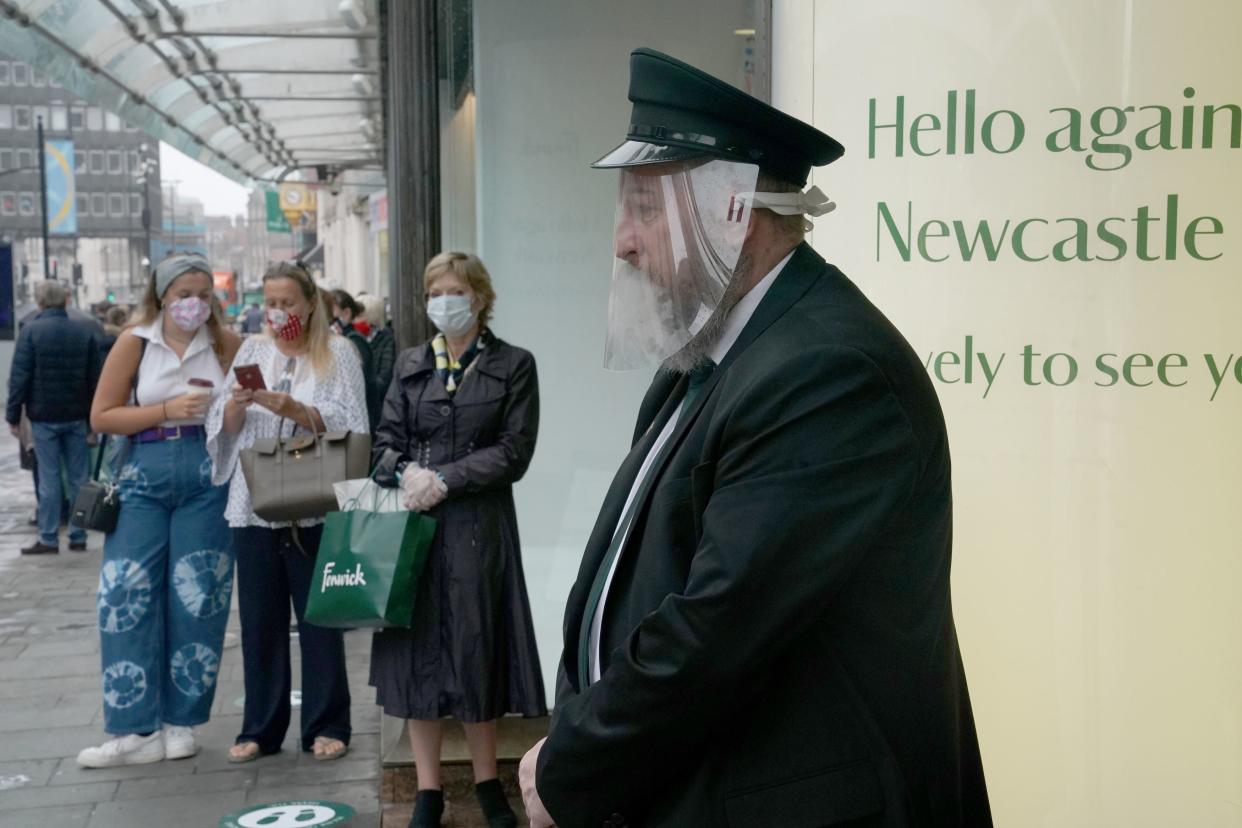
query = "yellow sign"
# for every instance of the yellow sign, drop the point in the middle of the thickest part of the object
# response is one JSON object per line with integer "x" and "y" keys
{"x": 296, "y": 200}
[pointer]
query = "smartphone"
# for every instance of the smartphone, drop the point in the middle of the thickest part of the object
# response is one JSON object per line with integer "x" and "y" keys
{"x": 250, "y": 377}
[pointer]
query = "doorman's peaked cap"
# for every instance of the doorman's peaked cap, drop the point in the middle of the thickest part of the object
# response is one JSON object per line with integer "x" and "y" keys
{"x": 681, "y": 113}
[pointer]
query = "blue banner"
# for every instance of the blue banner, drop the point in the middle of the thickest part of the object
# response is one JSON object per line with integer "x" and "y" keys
{"x": 62, "y": 212}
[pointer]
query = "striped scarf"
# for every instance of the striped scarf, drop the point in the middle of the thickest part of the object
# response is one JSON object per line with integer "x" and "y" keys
{"x": 451, "y": 370}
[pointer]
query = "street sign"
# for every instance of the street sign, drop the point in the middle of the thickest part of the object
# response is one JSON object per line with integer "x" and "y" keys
{"x": 276, "y": 221}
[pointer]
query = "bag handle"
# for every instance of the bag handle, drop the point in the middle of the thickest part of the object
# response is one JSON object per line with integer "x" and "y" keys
{"x": 280, "y": 427}
{"x": 103, "y": 449}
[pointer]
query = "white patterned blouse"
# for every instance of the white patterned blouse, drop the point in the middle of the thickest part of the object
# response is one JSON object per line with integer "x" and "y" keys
{"x": 339, "y": 395}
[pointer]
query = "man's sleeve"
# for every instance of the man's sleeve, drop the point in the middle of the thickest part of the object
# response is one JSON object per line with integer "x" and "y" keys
{"x": 813, "y": 464}
{"x": 20, "y": 374}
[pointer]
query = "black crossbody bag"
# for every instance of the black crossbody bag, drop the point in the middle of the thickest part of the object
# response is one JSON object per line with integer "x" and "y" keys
{"x": 98, "y": 505}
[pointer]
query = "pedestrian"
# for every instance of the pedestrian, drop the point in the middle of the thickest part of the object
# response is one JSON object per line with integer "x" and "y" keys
{"x": 382, "y": 341}
{"x": 313, "y": 381}
{"x": 115, "y": 319}
{"x": 252, "y": 321}
{"x": 761, "y": 630}
{"x": 345, "y": 309}
{"x": 55, "y": 368}
{"x": 167, "y": 573}
{"x": 458, "y": 431}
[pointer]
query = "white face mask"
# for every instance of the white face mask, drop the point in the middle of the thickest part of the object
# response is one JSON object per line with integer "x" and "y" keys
{"x": 451, "y": 314}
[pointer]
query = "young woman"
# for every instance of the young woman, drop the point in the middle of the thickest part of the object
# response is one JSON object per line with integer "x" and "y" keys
{"x": 167, "y": 573}
{"x": 458, "y": 428}
{"x": 313, "y": 382}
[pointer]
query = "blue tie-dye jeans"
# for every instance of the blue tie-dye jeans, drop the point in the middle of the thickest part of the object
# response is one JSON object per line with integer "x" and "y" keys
{"x": 164, "y": 589}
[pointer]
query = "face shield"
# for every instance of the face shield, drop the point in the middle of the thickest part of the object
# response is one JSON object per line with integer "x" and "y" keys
{"x": 677, "y": 239}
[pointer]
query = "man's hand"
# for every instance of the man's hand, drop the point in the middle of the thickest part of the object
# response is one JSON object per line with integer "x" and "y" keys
{"x": 535, "y": 812}
{"x": 15, "y": 429}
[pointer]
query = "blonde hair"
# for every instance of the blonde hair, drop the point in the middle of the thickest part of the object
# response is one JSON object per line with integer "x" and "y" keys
{"x": 318, "y": 336}
{"x": 153, "y": 305}
{"x": 467, "y": 268}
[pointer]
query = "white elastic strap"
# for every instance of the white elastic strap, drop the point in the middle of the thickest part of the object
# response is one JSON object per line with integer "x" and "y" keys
{"x": 813, "y": 202}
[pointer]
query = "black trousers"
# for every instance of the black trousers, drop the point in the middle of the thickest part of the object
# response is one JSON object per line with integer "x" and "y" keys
{"x": 271, "y": 572}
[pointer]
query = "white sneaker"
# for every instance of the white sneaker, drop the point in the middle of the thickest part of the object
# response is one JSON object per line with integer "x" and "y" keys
{"x": 124, "y": 750}
{"x": 179, "y": 742}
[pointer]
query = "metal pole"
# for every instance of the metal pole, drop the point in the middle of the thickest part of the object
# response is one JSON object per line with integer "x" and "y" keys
{"x": 410, "y": 30}
{"x": 41, "y": 155}
{"x": 172, "y": 195}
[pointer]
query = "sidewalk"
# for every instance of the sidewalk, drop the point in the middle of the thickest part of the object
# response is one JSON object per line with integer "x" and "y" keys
{"x": 50, "y": 708}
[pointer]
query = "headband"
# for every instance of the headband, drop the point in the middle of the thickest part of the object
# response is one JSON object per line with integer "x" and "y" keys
{"x": 172, "y": 267}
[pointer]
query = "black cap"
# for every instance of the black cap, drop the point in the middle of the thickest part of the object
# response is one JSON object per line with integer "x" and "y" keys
{"x": 681, "y": 112}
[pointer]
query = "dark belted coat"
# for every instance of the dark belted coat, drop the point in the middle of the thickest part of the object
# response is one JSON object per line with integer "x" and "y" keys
{"x": 778, "y": 648}
{"x": 470, "y": 652}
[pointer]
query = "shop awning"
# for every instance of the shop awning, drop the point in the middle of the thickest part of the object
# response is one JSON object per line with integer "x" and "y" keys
{"x": 252, "y": 88}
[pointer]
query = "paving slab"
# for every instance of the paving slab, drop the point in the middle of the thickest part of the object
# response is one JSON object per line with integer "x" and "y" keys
{"x": 193, "y": 810}
{"x": 61, "y": 816}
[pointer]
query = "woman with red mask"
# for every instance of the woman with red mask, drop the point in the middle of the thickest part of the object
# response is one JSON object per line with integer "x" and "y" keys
{"x": 314, "y": 380}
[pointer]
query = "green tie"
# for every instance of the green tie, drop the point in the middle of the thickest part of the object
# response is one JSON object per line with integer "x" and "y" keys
{"x": 698, "y": 378}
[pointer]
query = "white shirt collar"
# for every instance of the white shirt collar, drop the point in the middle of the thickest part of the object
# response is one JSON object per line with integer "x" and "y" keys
{"x": 744, "y": 310}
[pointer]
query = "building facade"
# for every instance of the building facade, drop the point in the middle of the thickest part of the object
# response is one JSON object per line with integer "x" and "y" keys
{"x": 113, "y": 176}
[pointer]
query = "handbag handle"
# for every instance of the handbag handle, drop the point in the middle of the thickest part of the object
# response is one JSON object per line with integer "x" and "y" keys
{"x": 103, "y": 449}
{"x": 280, "y": 427}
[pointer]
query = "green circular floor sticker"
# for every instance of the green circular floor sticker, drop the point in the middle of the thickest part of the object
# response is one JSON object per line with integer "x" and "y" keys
{"x": 290, "y": 815}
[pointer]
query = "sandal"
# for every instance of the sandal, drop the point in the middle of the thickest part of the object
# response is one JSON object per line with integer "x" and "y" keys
{"x": 327, "y": 748}
{"x": 243, "y": 752}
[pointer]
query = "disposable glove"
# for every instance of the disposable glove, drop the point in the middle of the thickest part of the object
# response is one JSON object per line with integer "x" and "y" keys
{"x": 422, "y": 489}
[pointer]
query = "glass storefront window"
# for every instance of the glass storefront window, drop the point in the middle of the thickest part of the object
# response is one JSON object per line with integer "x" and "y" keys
{"x": 6, "y": 116}
{"x": 60, "y": 117}
{"x": 77, "y": 117}
{"x": 21, "y": 117}
{"x": 94, "y": 118}
{"x": 4, "y": 73}
{"x": 21, "y": 74}
{"x": 111, "y": 122}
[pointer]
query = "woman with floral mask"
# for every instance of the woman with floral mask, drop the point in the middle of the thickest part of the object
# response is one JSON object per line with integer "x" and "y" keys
{"x": 167, "y": 572}
{"x": 313, "y": 382}
{"x": 457, "y": 431}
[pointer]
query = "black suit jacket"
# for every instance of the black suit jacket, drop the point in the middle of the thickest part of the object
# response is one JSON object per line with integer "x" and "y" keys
{"x": 778, "y": 645}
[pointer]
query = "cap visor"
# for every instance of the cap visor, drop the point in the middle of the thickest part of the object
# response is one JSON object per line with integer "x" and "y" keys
{"x": 637, "y": 153}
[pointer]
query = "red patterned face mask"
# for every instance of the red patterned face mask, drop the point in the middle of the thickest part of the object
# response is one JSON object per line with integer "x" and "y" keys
{"x": 286, "y": 326}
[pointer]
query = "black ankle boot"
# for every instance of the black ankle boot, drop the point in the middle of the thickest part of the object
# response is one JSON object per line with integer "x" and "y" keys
{"x": 495, "y": 805}
{"x": 428, "y": 809}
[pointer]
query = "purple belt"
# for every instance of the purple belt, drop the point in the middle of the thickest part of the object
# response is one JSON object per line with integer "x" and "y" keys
{"x": 154, "y": 435}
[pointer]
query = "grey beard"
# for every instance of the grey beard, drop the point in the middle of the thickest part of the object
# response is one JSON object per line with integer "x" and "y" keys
{"x": 695, "y": 352}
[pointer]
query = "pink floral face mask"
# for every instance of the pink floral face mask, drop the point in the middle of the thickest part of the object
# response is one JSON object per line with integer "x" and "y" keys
{"x": 286, "y": 326}
{"x": 189, "y": 313}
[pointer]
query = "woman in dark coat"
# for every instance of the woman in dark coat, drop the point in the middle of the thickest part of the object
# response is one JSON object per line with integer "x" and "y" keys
{"x": 458, "y": 429}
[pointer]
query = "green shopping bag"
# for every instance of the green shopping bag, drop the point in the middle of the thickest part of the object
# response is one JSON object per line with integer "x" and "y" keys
{"x": 367, "y": 569}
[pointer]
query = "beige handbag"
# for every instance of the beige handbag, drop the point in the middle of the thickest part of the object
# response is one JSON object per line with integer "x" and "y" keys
{"x": 290, "y": 478}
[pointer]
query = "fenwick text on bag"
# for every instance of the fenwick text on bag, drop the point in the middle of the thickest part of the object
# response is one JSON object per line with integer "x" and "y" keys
{"x": 367, "y": 569}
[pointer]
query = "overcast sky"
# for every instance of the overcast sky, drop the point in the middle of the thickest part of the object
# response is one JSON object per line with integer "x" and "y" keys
{"x": 220, "y": 196}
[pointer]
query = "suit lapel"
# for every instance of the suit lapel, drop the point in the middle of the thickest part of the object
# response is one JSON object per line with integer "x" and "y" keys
{"x": 791, "y": 284}
{"x": 663, "y": 398}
